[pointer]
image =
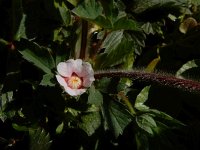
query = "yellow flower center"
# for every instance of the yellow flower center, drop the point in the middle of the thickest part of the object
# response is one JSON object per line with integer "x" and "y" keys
{"x": 74, "y": 82}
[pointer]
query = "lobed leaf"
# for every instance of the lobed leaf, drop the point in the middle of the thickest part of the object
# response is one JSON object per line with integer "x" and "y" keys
{"x": 89, "y": 9}
{"x": 142, "y": 98}
{"x": 39, "y": 56}
{"x": 90, "y": 122}
{"x": 95, "y": 97}
{"x": 146, "y": 122}
{"x": 47, "y": 80}
{"x": 64, "y": 13}
{"x": 118, "y": 45}
{"x": 116, "y": 116}
{"x": 39, "y": 140}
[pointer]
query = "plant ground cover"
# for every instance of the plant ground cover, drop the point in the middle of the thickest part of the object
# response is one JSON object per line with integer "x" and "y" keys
{"x": 99, "y": 74}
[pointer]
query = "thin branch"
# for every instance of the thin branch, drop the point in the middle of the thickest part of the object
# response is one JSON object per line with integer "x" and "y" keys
{"x": 84, "y": 39}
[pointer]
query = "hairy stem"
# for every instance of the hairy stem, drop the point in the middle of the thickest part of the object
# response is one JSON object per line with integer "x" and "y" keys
{"x": 153, "y": 79}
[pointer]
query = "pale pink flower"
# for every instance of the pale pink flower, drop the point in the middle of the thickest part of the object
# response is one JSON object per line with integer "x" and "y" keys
{"x": 75, "y": 76}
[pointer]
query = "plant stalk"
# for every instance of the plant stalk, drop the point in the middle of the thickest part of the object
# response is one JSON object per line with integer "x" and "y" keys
{"x": 153, "y": 79}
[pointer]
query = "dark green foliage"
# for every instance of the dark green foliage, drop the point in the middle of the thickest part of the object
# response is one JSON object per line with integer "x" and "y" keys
{"x": 114, "y": 112}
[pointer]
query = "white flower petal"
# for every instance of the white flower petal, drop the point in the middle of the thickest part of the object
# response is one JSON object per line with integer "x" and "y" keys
{"x": 87, "y": 70}
{"x": 88, "y": 81}
{"x": 77, "y": 66}
{"x": 61, "y": 80}
{"x": 82, "y": 69}
{"x": 74, "y": 92}
{"x": 65, "y": 68}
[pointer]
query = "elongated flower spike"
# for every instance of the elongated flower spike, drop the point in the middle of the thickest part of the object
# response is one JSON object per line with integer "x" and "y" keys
{"x": 75, "y": 76}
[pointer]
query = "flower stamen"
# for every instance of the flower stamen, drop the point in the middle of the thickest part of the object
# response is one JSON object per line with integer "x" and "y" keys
{"x": 74, "y": 82}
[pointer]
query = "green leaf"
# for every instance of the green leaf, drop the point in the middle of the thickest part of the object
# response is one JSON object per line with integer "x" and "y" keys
{"x": 109, "y": 10}
{"x": 185, "y": 67}
{"x": 73, "y": 2}
{"x": 39, "y": 56}
{"x": 90, "y": 122}
{"x": 146, "y": 122}
{"x": 152, "y": 28}
{"x": 142, "y": 141}
{"x": 195, "y": 2}
{"x": 103, "y": 22}
{"x": 95, "y": 97}
{"x": 64, "y": 13}
{"x": 116, "y": 116}
{"x": 59, "y": 128}
{"x": 5, "y": 99}
{"x": 156, "y": 4}
{"x": 152, "y": 65}
{"x": 166, "y": 119}
{"x": 19, "y": 127}
{"x": 21, "y": 32}
{"x": 103, "y": 84}
{"x": 18, "y": 20}
{"x": 118, "y": 46}
{"x": 147, "y": 27}
{"x": 39, "y": 140}
{"x": 112, "y": 40}
{"x": 89, "y": 9}
{"x": 126, "y": 24}
{"x": 141, "y": 99}
{"x": 47, "y": 80}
